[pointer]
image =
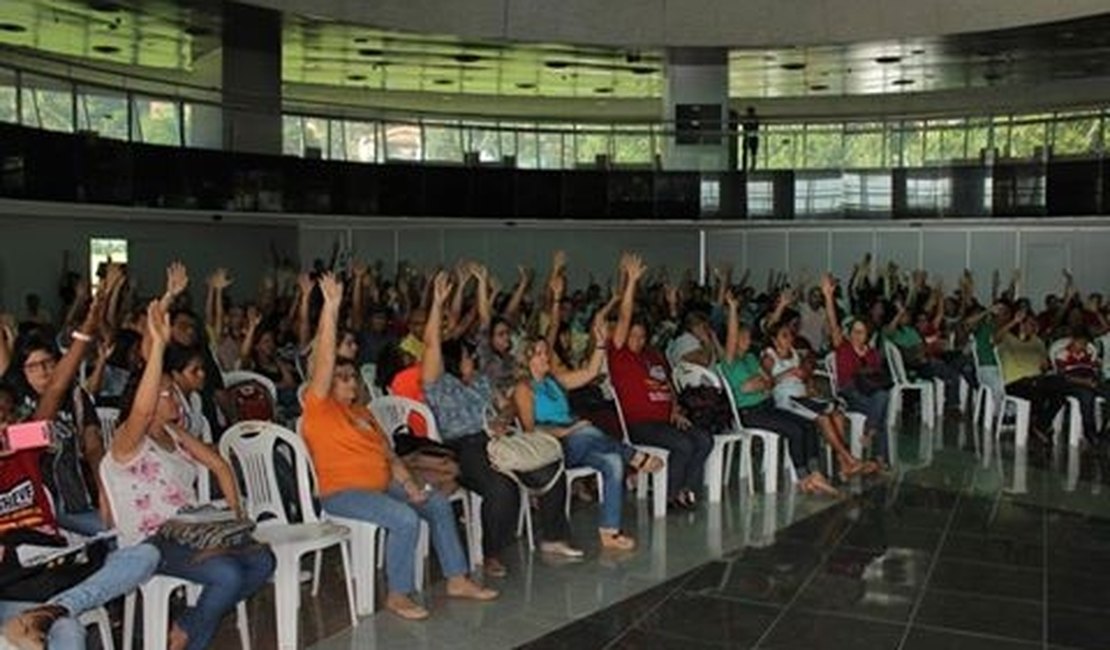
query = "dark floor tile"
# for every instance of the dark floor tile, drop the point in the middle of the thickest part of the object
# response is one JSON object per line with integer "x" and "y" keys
{"x": 1078, "y": 628}
{"x": 1002, "y": 518}
{"x": 821, "y": 530}
{"x": 927, "y": 639}
{"x": 1067, "y": 530}
{"x": 640, "y": 640}
{"x": 806, "y": 630}
{"x": 1011, "y": 619}
{"x": 713, "y": 620}
{"x": 992, "y": 549}
{"x": 771, "y": 578}
{"x": 574, "y": 636}
{"x": 878, "y": 535}
{"x": 854, "y": 596}
{"x": 1091, "y": 589}
{"x": 919, "y": 496}
{"x": 617, "y": 618}
{"x": 988, "y": 580}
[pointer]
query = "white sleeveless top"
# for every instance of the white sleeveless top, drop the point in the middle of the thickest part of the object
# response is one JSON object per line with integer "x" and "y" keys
{"x": 149, "y": 489}
{"x": 790, "y": 386}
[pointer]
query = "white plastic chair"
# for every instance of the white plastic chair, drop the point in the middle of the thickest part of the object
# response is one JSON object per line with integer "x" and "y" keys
{"x": 772, "y": 450}
{"x": 156, "y": 594}
{"x": 1073, "y": 409}
{"x": 984, "y": 401}
{"x": 902, "y": 385}
{"x": 99, "y": 618}
{"x": 1022, "y": 411}
{"x": 719, "y": 461}
{"x": 109, "y": 419}
{"x": 253, "y": 444}
{"x": 659, "y": 478}
{"x": 857, "y": 421}
{"x": 242, "y": 376}
{"x": 369, "y": 373}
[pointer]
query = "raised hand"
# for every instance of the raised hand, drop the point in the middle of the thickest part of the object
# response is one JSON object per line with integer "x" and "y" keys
{"x": 331, "y": 288}
{"x": 730, "y": 299}
{"x": 177, "y": 279}
{"x": 104, "y": 350}
{"x": 441, "y": 288}
{"x": 559, "y": 261}
{"x": 828, "y": 285}
{"x": 670, "y": 291}
{"x": 113, "y": 275}
{"x": 219, "y": 279}
{"x": 557, "y": 286}
{"x": 304, "y": 283}
{"x": 601, "y": 333}
{"x": 634, "y": 266}
{"x": 254, "y": 318}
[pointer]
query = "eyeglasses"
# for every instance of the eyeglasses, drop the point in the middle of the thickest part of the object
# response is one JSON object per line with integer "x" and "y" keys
{"x": 46, "y": 365}
{"x": 345, "y": 376}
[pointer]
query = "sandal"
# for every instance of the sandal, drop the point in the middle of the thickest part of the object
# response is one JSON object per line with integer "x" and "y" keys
{"x": 614, "y": 540}
{"x": 405, "y": 607}
{"x": 645, "y": 462}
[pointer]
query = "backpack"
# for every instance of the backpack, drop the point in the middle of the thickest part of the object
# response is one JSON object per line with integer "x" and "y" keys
{"x": 707, "y": 408}
{"x": 62, "y": 466}
{"x": 251, "y": 401}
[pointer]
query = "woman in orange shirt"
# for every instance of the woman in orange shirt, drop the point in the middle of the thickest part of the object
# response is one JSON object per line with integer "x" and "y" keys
{"x": 361, "y": 478}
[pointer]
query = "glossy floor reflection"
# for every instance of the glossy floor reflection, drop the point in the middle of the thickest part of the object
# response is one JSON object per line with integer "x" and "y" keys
{"x": 960, "y": 547}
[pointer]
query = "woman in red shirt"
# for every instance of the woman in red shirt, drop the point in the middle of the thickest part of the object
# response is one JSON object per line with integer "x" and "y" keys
{"x": 641, "y": 378}
{"x": 861, "y": 378}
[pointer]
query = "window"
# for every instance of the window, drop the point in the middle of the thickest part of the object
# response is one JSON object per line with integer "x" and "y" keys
{"x": 710, "y": 196}
{"x": 362, "y": 141}
{"x": 485, "y": 142}
{"x": 102, "y": 251}
{"x": 292, "y": 135}
{"x": 156, "y": 121}
{"x": 443, "y": 142}
{"x": 867, "y": 194}
{"x": 824, "y": 146}
{"x": 589, "y": 143}
{"x": 7, "y": 96}
{"x": 47, "y": 103}
{"x": 929, "y": 193}
{"x": 818, "y": 194}
{"x": 402, "y": 142}
{"x": 103, "y": 112}
{"x": 761, "y": 199}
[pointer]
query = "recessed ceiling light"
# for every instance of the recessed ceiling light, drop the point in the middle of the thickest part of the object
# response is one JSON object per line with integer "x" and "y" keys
{"x": 557, "y": 65}
{"x": 794, "y": 65}
{"x": 104, "y": 5}
{"x": 524, "y": 85}
{"x": 992, "y": 76}
{"x": 768, "y": 57}
{"x": 12, "y": 27}
{"x": 467, "y": 58}
{"x": 356, "y": 77}
{"x": 197, "y": 30}
{"x": 918, "y": 50}
{"x": 643, "y": 70}
{"x": 443, "y": 82}
{"x": 361, "y": 39}
{"x": 603, "y": 90}
{"x": 369, "y": 51}
{"x": 106, "y": 49}
{"x": 903, "y": 82}
{"x": 819, "y": 87}
{"x": 887, "y": 59}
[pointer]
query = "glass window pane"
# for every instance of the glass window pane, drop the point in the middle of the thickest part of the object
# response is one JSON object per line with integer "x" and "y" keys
{"x": 781, "y": 144}
{"x": 47, "y": 103}
{"x": 868, "y": 194}
{"x": 863, "y": 145}
{"x": 589, "y": 143}
{"x": 913, "y": 144}
{"x": 402, "y": 142}
{"x": 486, "y": 142}
{"x": 443, "y": 142}
{"x": 7, "y": 96}
{"x": 362, "y": 141}
{"x": 978, "y": 138}
{"x": 204, "y": 126}
{"x": 507, "y": 135}
{"x": 818, "y": 195}
{"x": 528, "y": 149}
{"x": 155, "y": 121}
{"x": 1028, "y": 134}
{"x": 337, "y": 144}
{"x": 314, "y": 130}
{"x": 551, "y": 148}
{"x": 1076, "y": 136}
{"x": 102, "y": 111}
{"x": 761, "y": 199}
{"x": 292, "y": 135}
{"x": 823, "y": 146}
{"x": 632, "y": 145}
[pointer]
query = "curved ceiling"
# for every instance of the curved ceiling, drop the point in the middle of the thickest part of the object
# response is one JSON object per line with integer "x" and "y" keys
{"x": 725, "y": 23}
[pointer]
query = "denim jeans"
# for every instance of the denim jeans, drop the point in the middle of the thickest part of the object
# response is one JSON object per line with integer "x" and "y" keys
{"x": 85, "y": 523}
{"x": 227, "y": 578}
{"x": 590, "y": 447}
{"x": 874, "y": 406}
{"x": 688, "y": 451}
{"x": 391, "y": 510}
{"x": 124, "y": 570}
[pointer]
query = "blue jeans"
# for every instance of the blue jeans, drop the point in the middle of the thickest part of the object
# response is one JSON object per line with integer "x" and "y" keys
{"x": 391, "y": 510}
{"x": 227, "y": 578}
{"x": 688, "y": 451}
{"x": 124, "y": 570}
{"x": 591, "y": 447}
{"x": 85, "y": 523}
{"x": 874, "y": 406}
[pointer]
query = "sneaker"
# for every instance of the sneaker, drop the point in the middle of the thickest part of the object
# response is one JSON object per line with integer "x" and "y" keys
{"x": 562, "y": 549}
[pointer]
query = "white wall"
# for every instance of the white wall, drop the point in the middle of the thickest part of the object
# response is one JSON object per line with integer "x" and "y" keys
{"x": 32, "y": 248}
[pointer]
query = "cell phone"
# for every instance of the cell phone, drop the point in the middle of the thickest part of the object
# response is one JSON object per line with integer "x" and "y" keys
{"x": 27, "y": 435}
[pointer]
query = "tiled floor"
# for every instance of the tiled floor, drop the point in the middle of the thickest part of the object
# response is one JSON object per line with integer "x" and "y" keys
{"x": 951, "y": 552}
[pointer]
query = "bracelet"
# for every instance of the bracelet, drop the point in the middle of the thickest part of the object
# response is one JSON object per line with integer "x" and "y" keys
{"x": 78, "y": 335}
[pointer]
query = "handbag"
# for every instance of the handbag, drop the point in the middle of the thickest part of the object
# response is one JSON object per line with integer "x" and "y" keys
{"x": 527, "y": 453}
{"x": 434, "y": 465}
{"x": 871, "y": 382}
{"x": 208, "y": 531}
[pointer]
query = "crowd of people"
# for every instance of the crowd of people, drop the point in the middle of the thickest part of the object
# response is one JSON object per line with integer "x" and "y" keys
{"x": 594, "y": 368}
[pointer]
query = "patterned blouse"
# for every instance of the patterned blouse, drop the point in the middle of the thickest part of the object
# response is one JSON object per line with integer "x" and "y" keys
{"x": 459, "y": 408}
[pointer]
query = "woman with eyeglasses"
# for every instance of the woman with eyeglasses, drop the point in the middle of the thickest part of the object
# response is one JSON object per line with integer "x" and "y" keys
{"x": 362, "y": 478}
{"x": 150, "y": 473}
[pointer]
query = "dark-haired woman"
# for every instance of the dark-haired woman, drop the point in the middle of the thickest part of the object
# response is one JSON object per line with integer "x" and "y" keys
{"x": 460, "y": 396}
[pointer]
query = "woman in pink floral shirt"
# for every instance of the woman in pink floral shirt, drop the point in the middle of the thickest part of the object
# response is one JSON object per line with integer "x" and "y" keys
{"x": 150, "y": 474}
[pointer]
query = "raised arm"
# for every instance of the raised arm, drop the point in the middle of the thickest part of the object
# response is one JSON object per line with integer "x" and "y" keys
{"x": 62, "y": 377}
{"x": 95, "y": 379}
{"x": 129, "y": 435}
{"x": 177, "y": 280}
{"x": 254, "y": 318}
{"x": 432, "y": 362}
{"x": 218, "y": 282}
{"x": 732, "y": 337}
{"x": 323, "y": 357}
{"x": 632, "y": 267}
{"x": 359, "y": 279}
{"x": 512, "y": 310}
{"x": 572, "y": 379}
{"x": 828, "y": 289}
{"x": 304, "y": 327}
{"x": 556, "y": 285}
{"x": 7, "y": 342}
